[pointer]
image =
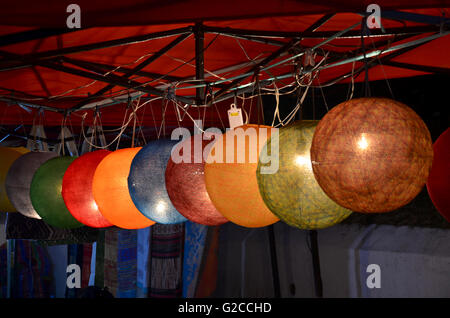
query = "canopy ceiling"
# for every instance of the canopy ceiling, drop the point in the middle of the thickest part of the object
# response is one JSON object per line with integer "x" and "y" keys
{"x": 159, "y": 49}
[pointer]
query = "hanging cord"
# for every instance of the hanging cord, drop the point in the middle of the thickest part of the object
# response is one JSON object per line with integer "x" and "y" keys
{"x": 134, "y": 108}
{"x": 63, "y": 125}
{"x": 259, "y": 101}
{"x": 366, "y": 67}
{"x": 322, "y": 93}
{"x": 382, "y": 68}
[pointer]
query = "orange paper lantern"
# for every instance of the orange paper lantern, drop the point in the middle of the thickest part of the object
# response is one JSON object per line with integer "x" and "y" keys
{"x": 230, "y": 176}
{"x": 110, "y": 190}
{"x": 77, "y": 189}
{"x": 371, "y": 155}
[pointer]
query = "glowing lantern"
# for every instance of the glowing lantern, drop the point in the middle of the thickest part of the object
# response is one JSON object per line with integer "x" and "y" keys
{"x": 110, "y": 190}
{"x": 18, "y": 181}
{"x": 77, "y": 189}
{"x": 371, "y": 155}
{"x": 185, "y": 183}
{"x": 7, "y": 157}
{"x": 45, "y": 193}
{"x": 292, "y": 193}
{"x": 230, "y": 176}
{"x": 147, "y": 182}
{"x": 438, "y": 184}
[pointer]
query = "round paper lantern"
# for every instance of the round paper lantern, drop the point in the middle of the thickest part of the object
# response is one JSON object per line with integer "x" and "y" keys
{"x": 77, "y": 189}
{"x": 438, "y": 184}
{"x": 45, "y": 193}
{"x": 7, "y": 157}
{"x": 230, "y": 176}
{"x": 371, "y": 155}
{"x": 18, "y": 181}
{"x": 185, "y": 183}
{"x": 110, "y": 190}
{"x": 292, "y": 193}
{"x": 147, "y": 182}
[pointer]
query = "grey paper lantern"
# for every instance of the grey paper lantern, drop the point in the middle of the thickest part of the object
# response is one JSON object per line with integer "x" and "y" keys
{"x": 18, "y": 181}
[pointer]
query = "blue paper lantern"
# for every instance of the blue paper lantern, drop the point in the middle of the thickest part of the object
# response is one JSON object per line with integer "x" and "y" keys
{"x": 147, "y": 185}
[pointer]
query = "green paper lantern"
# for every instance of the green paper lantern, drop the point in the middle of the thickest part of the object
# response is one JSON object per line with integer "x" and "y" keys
{"x": 292, "y": 192}
{"x": 46, "y": 196}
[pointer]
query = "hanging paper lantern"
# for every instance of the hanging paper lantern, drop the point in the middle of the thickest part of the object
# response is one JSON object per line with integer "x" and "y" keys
{"x": 438, "y": 184}
{"x": 292, "y": 193}
{"x": 185, "y": 183}
{"x": 371, "y": 154}
{"x": 45, "y": 193}
{"x": 147, "y": 185}
{"x": 18, "y": 181}
{"x": 230, "y": 176}
{"x": 110, "y": 190}
{"x": 7, "y": 157}
{"x": 77, "y": 189}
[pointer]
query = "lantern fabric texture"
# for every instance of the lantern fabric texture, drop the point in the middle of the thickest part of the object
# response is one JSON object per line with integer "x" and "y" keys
{"x": 7, "y": 157}
{"x": 230, "y": 176}
{"x": 185, "y": 183}
{"x": 18, "y": 181}
{"x": 147, "y": 184}
{"x": 77, "y": 189}
{"x": 371, "y": 155}
{"x": 110, "y": 190}
{"x": 292, "y": 193}
{"x": 438, "y": 184}
{"x": 45, "y": 193}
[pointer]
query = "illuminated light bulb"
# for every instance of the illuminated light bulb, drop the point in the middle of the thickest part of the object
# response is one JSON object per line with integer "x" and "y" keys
{"x": 161, "y": 207}
{"x": 302, "y": 161}
{"x": 362, "y": 143}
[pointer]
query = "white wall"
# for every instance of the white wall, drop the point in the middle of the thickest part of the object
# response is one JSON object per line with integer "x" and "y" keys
{"x": 414, "y": 262}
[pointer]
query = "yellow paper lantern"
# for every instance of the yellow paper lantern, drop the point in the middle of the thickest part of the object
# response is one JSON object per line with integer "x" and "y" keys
{"x": 230, "y": 176}
{"x": 110, "y": 190}
{"x": 7, "y": 157}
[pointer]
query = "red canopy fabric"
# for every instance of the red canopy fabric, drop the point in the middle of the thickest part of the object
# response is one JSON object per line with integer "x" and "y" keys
{"x": 29, "y": 82}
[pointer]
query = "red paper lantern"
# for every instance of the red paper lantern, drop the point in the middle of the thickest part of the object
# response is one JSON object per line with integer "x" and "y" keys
{"x": 438, "y": 184}
{"x": 185, "y": 184}
{"x": 371, "y": 155}
{"x": 77, "y": 189}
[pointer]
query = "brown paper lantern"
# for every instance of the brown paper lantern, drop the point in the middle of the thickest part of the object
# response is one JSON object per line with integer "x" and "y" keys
{"x": 371, "y": 155}
{"x": 230, "y": 177}
{"x": 185, "y": 184}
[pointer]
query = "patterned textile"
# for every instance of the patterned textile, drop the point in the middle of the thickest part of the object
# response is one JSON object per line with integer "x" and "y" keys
{"x": 120, "y": 262}
{"x": 22, "y": 227}
{"x": 166, "y": 260}
{"x": 207, "y": 280}
{"x": 32, "y": 272}
{"x": 3, "y": 271}
{"x": 127, "y": 263}
{"x": 194, "y": 243}
{"x": 110, "y": 260}
{"x": 143, "y": 261}
{"x": 86, "y": 265}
